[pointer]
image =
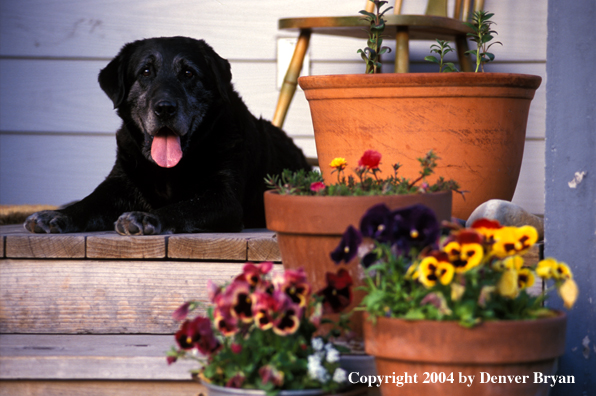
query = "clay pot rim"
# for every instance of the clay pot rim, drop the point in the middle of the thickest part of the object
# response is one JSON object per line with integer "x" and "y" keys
{"x": 465, "y": 79}
{"x": 346, "y": 197}
{"x": 446, "y": 342}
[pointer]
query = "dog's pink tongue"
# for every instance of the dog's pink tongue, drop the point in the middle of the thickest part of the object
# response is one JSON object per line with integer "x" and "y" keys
{"x": 165, "y": 149}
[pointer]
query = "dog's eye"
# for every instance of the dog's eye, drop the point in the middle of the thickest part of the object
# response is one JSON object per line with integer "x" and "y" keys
{"x": 188, "y": 74}
{"x": 146, "y": 72}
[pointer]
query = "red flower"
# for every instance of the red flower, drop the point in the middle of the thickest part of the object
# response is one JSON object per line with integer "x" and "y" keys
{"x": 263, "y": 310}
{"x": 182, "y": 312}
{"x": 317, "y": 186}
{"x": 238, "y": 298}
{"x": 197, "y": 333}
{"x": 338, "y": 294}
{"x": 236, "y": 381}
{"x": 370, "y": 159}
{"x": 224, "y": 321}
{"x": 253, "y": 274}
{"x": 236, "y": 348}
{"x": 294, "y": 284}
{"x": 269, "y": 373}
{"x": 288, "y": 315}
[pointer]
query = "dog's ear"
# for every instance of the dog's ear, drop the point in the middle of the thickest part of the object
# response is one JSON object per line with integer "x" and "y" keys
{"x": 220, "y": 68}
{"x": 112, "y": 79}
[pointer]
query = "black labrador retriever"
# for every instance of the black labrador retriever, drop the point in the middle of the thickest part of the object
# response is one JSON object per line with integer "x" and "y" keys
{"x": 190, "y": 156}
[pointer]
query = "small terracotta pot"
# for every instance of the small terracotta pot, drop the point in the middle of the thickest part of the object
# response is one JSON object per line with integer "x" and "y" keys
{"x": 309, "y": 228}
{"x": 510, "y": 349}
{"x": 475, "y": 122}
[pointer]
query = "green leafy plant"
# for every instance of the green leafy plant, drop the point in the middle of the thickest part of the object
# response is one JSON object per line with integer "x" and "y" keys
{"x": 482, "y": 35}
{"x": 261, "y": 331}
{"x": 372, "y": 53}
{"x": 417, "y": 269}
{"x": 442, "y": 49}
{"x": 367, "y": 181}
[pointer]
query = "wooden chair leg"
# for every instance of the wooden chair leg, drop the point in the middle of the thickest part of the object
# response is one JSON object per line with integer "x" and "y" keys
{"x": 290, "y": 83}
{"x": 402, "y": 50}
{"x": 465, "y": 61}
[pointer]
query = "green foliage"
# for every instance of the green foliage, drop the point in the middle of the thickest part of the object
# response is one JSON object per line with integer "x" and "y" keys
{"x": 372, "y": 53}
{"x": 366, "y": 182}
{"x": 482, "y": 35}
{"x": 442, "y": 49}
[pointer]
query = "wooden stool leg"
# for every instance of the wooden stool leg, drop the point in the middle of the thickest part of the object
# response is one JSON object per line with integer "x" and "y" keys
{"x": 402, "y": 50}
{"x": 465, "y": 61}
{"x": 289, "y": 85}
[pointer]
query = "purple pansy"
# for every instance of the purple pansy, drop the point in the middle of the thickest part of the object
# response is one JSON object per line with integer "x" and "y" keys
{"x": 348, "y": 246}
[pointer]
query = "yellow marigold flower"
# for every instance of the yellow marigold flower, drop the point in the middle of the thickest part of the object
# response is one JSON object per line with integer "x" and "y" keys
{"x": 525, "y": 278}
{"x": 508, "y": 285}
{"x": 568, "y": 292}
{"x": 339, "y": 163}
{"x": 509, "y": 241}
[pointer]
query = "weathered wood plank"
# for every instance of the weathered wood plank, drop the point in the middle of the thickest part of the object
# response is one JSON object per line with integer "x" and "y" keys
{"x": 263, "y": 248}
{"x": 115, "y": 246}
{"x": 101, "y": 388}
{"x": 89, "y": 357}
{"x": 208, "y": 247}
{"x": 44, "y": 246}
{"x": 99, "y": 297}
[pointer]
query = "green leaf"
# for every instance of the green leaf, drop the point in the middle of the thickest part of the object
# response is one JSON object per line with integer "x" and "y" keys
{"x": 368, "y": 14}
{"x": 431, "y": 58}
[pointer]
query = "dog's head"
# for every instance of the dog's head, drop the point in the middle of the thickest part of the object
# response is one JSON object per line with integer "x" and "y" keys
{"x": 166, "y": 87}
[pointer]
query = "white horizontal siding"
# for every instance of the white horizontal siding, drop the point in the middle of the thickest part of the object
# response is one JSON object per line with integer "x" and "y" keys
{"x": 51, "y": 53}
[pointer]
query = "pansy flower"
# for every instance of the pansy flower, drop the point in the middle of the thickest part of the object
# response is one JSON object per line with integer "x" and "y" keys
{"x": 294, "y": 284}
{"x": 508, "y": 284}
{"x": 263, "y": 310}
{"x": 288, "y": 315}
{"x": 236, "y": 381}
{"x": 338, "y": 294}
{"x": 253, "y": 274}
{"x": 224, "y": 322}
{"x": 551, "y": 268}
{"x": 268, "y": 374}
{"x": 238, "y": 298}
{"x": 414, "y": 227}
{"x": 464, "y": 250}
{"x": 568, "y": 292}
{"x": 488, "y": 228}
{"x": 377, "y": 223}
{"x": 525, "y": 278}
{"x": 435, "y": 268}
{"x": 509, "y": 241}
{"x": 348, "y": 246}
{"x": 197, "y": 333}
{"x": 370, "y": 159}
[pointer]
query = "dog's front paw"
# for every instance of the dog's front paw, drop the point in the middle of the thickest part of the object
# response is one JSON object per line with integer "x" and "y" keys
{"x": 48, "y": 221}
{"x": 138, "y": 223}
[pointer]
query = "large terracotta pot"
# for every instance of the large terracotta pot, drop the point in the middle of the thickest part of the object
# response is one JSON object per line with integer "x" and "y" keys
{"x": 492, "y": 351}
{"x": 309, "y": 228}
{"x": 475, "y": 122}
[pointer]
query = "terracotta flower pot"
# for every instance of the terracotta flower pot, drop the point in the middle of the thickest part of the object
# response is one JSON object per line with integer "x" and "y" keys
{"x": 496, "y": 354}
{"x": 309, "y": 228}
{"x": 475, "y": 122}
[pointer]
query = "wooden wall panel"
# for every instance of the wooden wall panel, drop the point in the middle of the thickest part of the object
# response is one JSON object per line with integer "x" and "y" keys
{"x": 51, "y": 53}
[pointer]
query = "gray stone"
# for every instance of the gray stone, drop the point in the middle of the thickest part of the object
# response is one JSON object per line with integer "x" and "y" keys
{"x": 508, "y": 214}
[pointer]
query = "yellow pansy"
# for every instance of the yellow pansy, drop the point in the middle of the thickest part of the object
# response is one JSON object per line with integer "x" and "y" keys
{"x": 509, "y": 241}
{"x": 568, "y": 292}
{"x": 508, "y": 285}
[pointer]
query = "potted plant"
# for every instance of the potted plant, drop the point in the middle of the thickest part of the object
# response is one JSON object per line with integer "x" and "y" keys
{"x": 310, "y": 216}
{"x": 452, "y": 310}
{"x": 477, "y": 121}
{"x": 259, "y": 334}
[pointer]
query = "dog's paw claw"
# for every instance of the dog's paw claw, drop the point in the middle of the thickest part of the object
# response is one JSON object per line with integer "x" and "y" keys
{"x": 48, "y": 221}
{"x": 138, "y": 223}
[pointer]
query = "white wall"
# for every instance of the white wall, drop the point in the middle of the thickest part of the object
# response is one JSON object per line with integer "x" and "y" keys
{"x": 57, "y": 127}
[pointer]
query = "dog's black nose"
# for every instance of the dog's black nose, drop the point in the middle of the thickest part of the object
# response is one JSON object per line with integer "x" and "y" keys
{"x": 165, "y": 109}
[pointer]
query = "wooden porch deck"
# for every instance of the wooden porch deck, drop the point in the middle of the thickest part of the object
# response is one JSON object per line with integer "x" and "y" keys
{"x": 90, "y": 314}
